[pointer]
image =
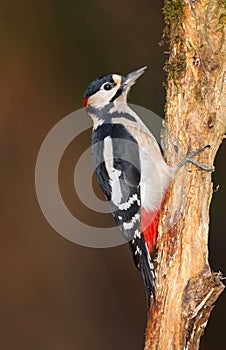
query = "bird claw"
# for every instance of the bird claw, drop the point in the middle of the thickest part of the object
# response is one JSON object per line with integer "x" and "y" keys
{"x": 189, "y": 159}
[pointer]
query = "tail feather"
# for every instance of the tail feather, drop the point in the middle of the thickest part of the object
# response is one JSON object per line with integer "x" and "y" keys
{"x": 143, "y": 262}
{"x": 142, "y": 247}
{"x": 147, "y": 271}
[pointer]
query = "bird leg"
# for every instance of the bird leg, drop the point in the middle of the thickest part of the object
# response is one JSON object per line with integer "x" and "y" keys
{"x": 189, "y": 158}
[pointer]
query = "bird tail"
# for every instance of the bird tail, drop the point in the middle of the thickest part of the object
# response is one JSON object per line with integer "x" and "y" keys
{"x": 143, "y": 262}
{"x": 147, "y": 271}
{"x": 143, "y": 246}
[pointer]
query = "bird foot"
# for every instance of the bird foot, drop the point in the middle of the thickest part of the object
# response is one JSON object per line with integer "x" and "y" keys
{"x": 189, "y": 159}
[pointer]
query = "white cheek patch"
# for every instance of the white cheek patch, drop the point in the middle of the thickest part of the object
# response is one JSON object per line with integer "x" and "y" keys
{"x": 103, "y": 97}
{"x": 100, "y": 98}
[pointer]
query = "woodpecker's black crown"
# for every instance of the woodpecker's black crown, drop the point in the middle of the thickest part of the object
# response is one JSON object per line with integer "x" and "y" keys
{"x": 95, "y": 85}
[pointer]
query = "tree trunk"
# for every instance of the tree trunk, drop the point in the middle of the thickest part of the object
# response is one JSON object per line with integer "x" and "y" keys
{"x": 195, "y": 114}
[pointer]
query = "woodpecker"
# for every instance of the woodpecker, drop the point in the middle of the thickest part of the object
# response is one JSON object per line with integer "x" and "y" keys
{"x": 130, "y": 167}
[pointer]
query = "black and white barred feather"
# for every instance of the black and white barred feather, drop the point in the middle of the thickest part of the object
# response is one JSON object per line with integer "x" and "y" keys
{"x": 119, "y": 179}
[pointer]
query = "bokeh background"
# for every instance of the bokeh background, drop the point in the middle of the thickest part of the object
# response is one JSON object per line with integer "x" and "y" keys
{"x": 55, "y": 294}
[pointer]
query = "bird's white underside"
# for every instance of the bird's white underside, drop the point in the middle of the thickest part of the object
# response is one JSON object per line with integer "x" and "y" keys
{"x": 156, "y": 175}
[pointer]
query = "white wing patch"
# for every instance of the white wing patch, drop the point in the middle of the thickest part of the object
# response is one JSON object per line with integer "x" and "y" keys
{"x": 131, "y": 200}
{"x": 137, "y": 234}
{"x": 129, "y": 225}
{"x": 113, "y": 173}
{"x": 138, "y": 251}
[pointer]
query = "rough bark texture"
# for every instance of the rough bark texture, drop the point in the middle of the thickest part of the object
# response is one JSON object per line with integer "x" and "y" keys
{"x": 195, "y": 113}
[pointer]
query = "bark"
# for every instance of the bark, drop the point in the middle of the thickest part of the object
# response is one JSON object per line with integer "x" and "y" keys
{"x": 195, "y": 114}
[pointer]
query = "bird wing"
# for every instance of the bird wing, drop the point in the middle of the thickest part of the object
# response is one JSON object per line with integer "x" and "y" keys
{"x": 116, "y": 159}
{"x": 117, "y": 166}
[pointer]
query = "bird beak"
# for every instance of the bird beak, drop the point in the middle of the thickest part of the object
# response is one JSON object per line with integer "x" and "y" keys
{"x": 130, "y": 78}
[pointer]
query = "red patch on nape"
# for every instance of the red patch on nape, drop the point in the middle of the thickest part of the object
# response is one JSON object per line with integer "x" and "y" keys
{"x": 149, "y": 227}
{"x": 85, "y": 101}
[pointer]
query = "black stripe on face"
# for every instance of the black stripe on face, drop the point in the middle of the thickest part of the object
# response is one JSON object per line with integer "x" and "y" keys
{"x": 104, "y": 114}
{"x": 118, "y": 93}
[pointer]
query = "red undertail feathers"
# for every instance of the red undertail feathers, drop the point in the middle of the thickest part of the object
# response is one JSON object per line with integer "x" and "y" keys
{"x": 149, "y": 227}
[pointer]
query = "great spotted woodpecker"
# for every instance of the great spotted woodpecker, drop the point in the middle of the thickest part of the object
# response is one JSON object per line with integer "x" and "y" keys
{"x": 129, "y": 166}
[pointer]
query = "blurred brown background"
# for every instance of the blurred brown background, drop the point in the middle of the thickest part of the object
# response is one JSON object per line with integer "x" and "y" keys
{"x": 55, "y": 294}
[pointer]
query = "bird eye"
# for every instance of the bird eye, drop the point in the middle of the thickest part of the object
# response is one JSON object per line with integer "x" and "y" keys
{"x": 107, "y": 86}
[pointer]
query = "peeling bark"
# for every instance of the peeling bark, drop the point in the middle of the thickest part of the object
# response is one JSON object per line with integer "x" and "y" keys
{"x": 195, "y": 114}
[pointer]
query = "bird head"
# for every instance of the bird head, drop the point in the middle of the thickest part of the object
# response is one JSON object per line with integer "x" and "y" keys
{"x": 110, "y": 88}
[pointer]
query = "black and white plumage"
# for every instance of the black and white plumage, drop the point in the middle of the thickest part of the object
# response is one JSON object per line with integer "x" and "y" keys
{"x": 127, "y": 174}
{"x": 116, "y": 159}
{"x": 118, "y": 176}
{"x": 129, "y": 166}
